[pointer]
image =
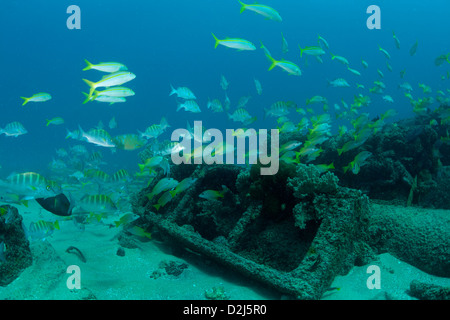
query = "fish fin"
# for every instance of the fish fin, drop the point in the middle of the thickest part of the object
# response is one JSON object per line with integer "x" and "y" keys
{"x": 117, "y": 223}
{"x": 301, "y": 51}
{"x": 56, "y": 224}
{"x": 244, "y": 6}
{"x": 89, "y": 65}
{"x": 172, "y": 90}
{"x": 92, "y": 87}
{"x": 26, "y": 100}
{"x": 217, "y": 40}
{"x": 173, "y": 193}
{"x": 274, "y": 62}
{"x": 87, "y": 98}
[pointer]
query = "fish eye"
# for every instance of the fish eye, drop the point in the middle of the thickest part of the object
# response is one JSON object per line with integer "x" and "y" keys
{"x": 49, "y": 188}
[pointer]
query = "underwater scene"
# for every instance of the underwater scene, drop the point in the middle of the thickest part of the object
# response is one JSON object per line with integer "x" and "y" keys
{"x": 225, "y": 150}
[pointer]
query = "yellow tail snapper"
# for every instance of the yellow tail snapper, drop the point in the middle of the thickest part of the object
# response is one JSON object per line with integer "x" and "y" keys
{"x": 164, "y": 184}
{"x": 322, "y": 42}
{"x": 358, "y": 162}
{"x": 183, "y": 186}
{"x": 284, "y": 44}
{"x": 125, "y": 219}
{"x": 38, "y": 97}
{"x": 340, "y": 59}
{"x": 213, "y": 194}
{"x": 163, "y": 200}
{"x": 397, "y": 42}
{"x": 235, "y": 43}
{"x": 312, "y": 51}
{"x": 266, "y": 11}
{"x": 138, "y": 231}
{"x": 105, "y": 66}
{"x": 325, "y": 167}
{"x": 287, "y": 66}
{"x": 117, "y": 92}
{"x": 386, "y": 54}
{"x": 55, "y": 121}
{"x": 110, "y": 80}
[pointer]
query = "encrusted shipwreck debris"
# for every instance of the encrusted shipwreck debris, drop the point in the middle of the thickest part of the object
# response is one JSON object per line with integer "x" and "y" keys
{"x": 293, "y": 231}
{"x": 15, "y": 252}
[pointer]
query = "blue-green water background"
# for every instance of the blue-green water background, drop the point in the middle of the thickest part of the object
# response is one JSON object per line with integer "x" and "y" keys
{"x": 170, "y": 42}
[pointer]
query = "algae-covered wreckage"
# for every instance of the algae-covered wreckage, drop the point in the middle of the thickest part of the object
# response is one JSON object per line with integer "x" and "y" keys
{"x": 296, "y": 230}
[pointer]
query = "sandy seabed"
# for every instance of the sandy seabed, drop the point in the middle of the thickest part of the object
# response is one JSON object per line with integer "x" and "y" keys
{"x": 108, "y": 276}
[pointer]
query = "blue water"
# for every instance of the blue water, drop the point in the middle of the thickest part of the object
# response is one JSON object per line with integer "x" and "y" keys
{"x": 170, "y": 42}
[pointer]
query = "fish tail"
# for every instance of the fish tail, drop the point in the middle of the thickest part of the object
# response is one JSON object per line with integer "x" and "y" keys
{"x": 92, "y": 87}
{"x": 274, "y": 62}
{"x": 157, "y": 206}
{"x": 172, "y": 90}
{"x": 331, "y": 166}
{"x": 141, "y": 166}
{"x": 89, "y": 65}
{"x": 117, "y": 223}
{"x": 173, "y": 193}
{"x": 48, "y": 122}
{"x": 87, "y": 98}
{"x": 301, "y": 51}
{"x": 244, "y": 6}
{"x": 217, "y": 40}
{"x": 26, "y": 100}
{"x": 340, "y": 151}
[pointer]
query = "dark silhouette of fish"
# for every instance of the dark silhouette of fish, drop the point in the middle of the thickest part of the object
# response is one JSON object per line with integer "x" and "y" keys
{"x": 58, "y": 205}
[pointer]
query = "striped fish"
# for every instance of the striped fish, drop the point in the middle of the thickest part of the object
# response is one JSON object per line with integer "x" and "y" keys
{"x": 98, "y": 203}
{"x": 42, "y": 229}
{"x": 182, "y": 92}
{"x": 30, "y": 185}
{"x": 97, "y": 175}
{"x": 121, "y": 175}
{"x": 98, "y": 137}
{"x": 14, "y": 129}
